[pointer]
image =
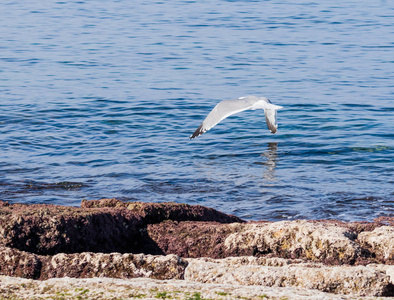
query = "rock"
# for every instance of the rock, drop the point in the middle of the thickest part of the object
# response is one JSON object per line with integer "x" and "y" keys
{"x": 297, "y": 239}
{"x": 194, "y": 239}
{"x": 380, "y": 242}
{"x": 111, "y": 238}
{"x": 98, "y": 226}
{"x": 323, "y": 242}
{"x": 159, "y": 212}
{"x": 273, "y": 272}
{"x": 51, "y": 229}
{"x": 110, "y": 225}
{"x": 113, "y": 265}
{"x": 356, "y": 280}
{"x": 385, "y": 220}
{"x": 19, "y": 263}
{"x": 88, "y": 265}
{"x": 145, "y": 288}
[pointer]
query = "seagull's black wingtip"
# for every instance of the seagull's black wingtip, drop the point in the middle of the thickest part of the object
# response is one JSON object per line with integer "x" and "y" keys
{"x": 199, "y": 131}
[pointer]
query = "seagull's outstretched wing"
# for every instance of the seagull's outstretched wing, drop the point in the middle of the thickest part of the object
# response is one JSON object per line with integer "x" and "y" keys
{"x": 271, "y": 119}
{"x": 221, "y": 111}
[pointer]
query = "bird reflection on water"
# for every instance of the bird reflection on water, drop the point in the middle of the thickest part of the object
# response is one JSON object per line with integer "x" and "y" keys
{"x": 270, "y": 163}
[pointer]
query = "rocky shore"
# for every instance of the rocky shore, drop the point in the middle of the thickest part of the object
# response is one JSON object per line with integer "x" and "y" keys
{"x": 109, "y": 249}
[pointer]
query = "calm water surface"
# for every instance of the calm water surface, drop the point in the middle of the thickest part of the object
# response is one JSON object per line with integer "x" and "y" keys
{"x": 98, "y": 99}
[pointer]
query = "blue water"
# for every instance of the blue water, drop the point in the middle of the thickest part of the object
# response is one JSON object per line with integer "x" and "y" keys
{"x": 98, "y": 99}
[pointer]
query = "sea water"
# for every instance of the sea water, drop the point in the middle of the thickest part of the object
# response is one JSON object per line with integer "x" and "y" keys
{"x": 98, "y": 99}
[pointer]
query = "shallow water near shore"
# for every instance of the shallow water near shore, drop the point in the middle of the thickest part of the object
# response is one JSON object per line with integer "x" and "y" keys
{"x": 99, "y": 99}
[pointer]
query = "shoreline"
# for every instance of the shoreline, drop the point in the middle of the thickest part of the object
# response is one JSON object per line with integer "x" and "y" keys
{"x": 194, "y": 249}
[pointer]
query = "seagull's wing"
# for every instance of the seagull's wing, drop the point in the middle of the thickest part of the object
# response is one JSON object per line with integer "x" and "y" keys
{"x": 221, "y": 111}
{"x": 271, "y": 119}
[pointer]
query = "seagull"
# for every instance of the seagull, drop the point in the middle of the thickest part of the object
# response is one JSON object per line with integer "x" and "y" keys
{"x": 227, "y": 108}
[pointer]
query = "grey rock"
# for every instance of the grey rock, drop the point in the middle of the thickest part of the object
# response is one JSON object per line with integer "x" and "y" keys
{"x": 380, "y": 241}
{"x": 297, "y": 239}
{"x": 352, "y": 280}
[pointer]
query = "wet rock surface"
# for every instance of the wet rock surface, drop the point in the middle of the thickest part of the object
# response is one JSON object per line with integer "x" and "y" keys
{"x": 169, "y": 241}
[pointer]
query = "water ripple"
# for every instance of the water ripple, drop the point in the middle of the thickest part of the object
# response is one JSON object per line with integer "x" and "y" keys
{"x": 99, "y": 99}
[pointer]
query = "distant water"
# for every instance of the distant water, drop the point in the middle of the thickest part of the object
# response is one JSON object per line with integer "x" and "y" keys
{"x": 98, "y": 99}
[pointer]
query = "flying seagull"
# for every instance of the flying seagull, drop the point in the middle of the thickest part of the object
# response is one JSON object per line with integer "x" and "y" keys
{"x": 227, "y": 108}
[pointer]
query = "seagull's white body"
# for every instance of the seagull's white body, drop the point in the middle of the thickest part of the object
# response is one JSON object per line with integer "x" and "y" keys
{"x": 227, "y": 108}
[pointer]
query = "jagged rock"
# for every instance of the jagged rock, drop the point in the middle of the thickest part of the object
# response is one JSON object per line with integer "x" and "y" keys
{"x": 113, "y": 265}
{"x": 380, "y": 241}
{"x": 110, "y": 225}
{"x": 356, "y": 280}
{"x": 324, "y": 242}
{"x": 88, "y": 265}
{"x": 19, "y": 263}
{"x": 371, "y": 280}
{"x": 297, "y": 239}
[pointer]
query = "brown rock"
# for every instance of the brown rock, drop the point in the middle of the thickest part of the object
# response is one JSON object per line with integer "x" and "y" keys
{"x": 20, "y": 264}
{"x": 98, "y": 226}
{"x": 88, "y": 265}
{"x": 50, "y": 229}
{"x": 385, "y": 220}
{"x": 113, "y": 265}
{"x": 315, "y": 241}
{"x": 195, "y": 239}
{"x": 109, "y": 225}
{"x": 159, "y": 212}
